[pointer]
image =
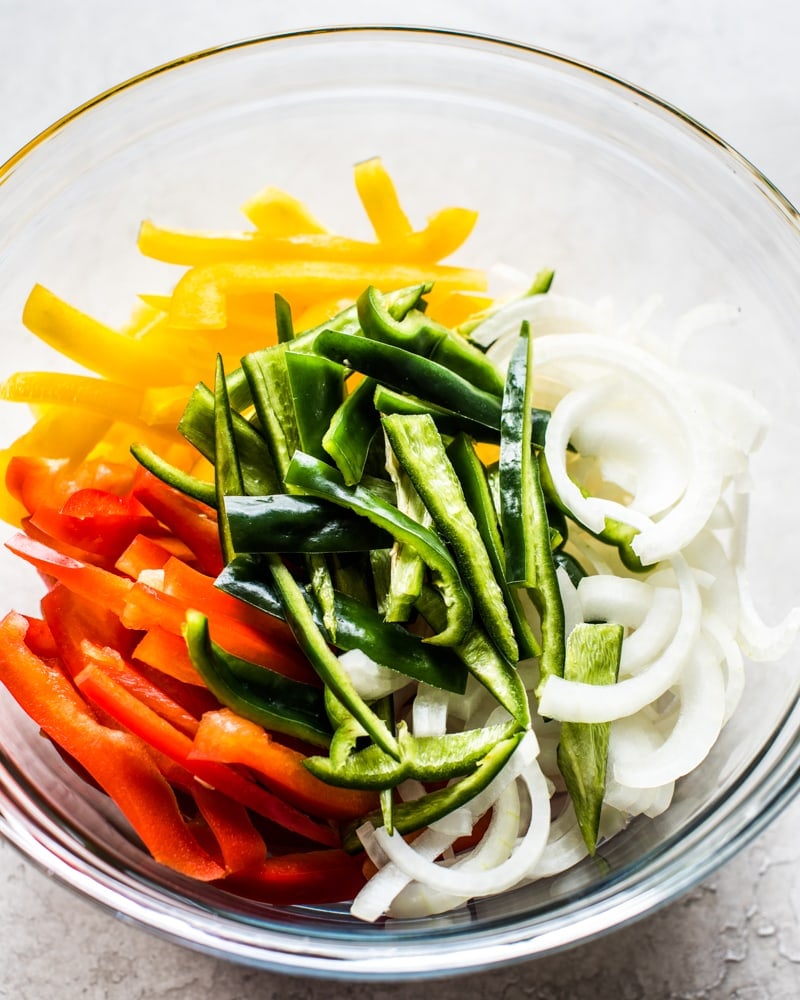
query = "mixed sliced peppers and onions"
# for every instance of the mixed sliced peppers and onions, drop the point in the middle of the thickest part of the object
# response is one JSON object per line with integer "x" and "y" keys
{"x": 362, "y": 586}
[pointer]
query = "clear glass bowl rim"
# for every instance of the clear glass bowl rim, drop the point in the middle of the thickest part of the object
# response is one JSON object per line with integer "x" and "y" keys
{"x": 710, "y": 841}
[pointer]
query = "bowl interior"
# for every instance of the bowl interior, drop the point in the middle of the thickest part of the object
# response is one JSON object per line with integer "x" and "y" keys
{"x": 569, "y": 169}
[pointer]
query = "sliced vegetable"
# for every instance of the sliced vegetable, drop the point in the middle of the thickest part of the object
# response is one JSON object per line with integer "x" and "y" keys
{"x": 593, "y": 655}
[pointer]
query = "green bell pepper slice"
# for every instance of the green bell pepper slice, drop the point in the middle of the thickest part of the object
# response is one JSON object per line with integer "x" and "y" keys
{"x": 313, "y": 477}
{"x": 424, "y": 758}
{"x": 421, "y": 452}
{"x": 593, "y": 656}
{"x": 256, "y": 693}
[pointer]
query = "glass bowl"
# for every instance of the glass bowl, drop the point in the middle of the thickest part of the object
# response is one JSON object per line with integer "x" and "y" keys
{"x": 569, "y": 168}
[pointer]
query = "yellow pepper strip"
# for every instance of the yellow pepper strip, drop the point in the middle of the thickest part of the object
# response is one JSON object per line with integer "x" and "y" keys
{"x": 445, "y": 232}
{"x": 110, "y": 399}
{"x": 199, "y": 296}
{"x": 379, "y": 197}
{"x": 115, "y": 444}
{"x": 164, "y": 404}
{"x": 129, "y": 360}
{"x": 456, "y": 308}
{"x": 275, "y": 212}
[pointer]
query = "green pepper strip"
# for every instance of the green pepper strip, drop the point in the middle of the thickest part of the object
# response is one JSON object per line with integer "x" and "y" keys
{"x": 197, "y": 426}
{"x": 425, "y": 758}
{"x": 227, "y": 471}
{"x": 384, "y": 709}
{"x": 415, "y": 332}
{"x": 315, "y": 645}
{"x": 472, "y": 476}
{"x": 318, "y": 479}
{"x": 521, "y": 531}
{"x": 286, "y": 522}
{"x": 351, "y": 430}
{"x": 450, "y": 422}
{"x": 170, "y": 474}
{"x": 523, "y": 512}
{"x": 407, "y": 372}
{"x": 570, "y": 565}
{"x": 317, "y": 390}
{"x": 421, "y": 452}
{"x": 359, "y": 626}
{"x": 283, "y": 319}
{"x": 410, "y": 816}
{"x": 540, "y": 286}
{"x": 254, "y": 692}
{"x": 482, "y": 660}
{"x": 268, "y": 380}
{"x": 407, "y": 570}
{"x": 593, "y": 655}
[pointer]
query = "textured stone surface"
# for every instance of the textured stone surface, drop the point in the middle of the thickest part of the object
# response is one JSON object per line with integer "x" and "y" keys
{"x": 734, "y": 67}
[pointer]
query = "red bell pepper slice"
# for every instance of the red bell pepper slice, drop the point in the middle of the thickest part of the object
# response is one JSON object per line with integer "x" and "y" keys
{"x": 142, "y": 553}
{"x": 97, "y": 521}
{"x": 196, "y": 590}
{"x": 227, "y": 738}
{"x": 48, "y": 482}
{"x": 192, "y": 522}
{"x": 313, "y": 877}
{"x": 73, "y": 619}
{"x": 110, "y": 696}
{"x": 146, "y": 607}
{"x": 119, "y": 762}
{"x": 167, "y": 652}
{"x": 241, "y": 845}
{"x": 39, "y": 639}
{"x": 149, "y": 694}
{"x": 91, "y": 582}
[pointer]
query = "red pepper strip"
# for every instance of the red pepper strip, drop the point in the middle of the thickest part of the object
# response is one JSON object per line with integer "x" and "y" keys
{"x": 113, "y": 665}
{"x": 105, "y": 692}
{"x": 226, "y": 738}
{"x": 145, "y": 607}
{"x": 102, "y": 535}
{"x": 167, "y": 653}
{"x": 142, "y": 553}
{"x": 91, "y": 582}
{"x": 314, "y": 877}
{"x": 119, "y": 762}
{"x": 73, "y": 620}
{"x": 37, "y": 534}
{"x": 194, "y": 523}
{"x": 241, "y": 845}
{"x": 39, "y": 639}
{"x": 196, "y": 590}
{"x": 47, "y": 482}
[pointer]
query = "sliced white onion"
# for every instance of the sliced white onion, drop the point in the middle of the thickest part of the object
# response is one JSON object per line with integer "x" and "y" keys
{"x": 699, "y": 721}
{"x": 574, "y": 701}
{"x": 573, "y": 611}
{"x": 546, "y": 314}
{"x": 372, "y": 680}
{"x": 480, "y": 883}
{"x": 429, "y": 711}
{"x": 625, "y": 600}
{"x": 657, "y": 540}
{"x": 648, "y": 640}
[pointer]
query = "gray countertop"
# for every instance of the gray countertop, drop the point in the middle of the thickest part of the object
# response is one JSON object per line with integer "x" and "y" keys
{"x": 730, "y": 64}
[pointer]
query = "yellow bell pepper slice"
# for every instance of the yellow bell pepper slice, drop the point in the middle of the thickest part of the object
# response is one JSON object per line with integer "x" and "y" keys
{"x": 456, "y": 308}
{"x": 98, "y": 347}
{"x": 275, "y": 212}
{"x": 445, "y": 233}
{"x": 110, "y": 399}
{"x": 379, "y": 197}
{"x": 199, "y": 299}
